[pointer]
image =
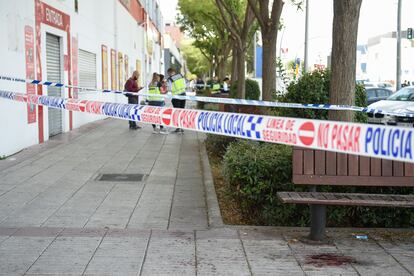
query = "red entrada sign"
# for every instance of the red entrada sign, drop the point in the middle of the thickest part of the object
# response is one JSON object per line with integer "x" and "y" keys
{"x": 53, "y": 17}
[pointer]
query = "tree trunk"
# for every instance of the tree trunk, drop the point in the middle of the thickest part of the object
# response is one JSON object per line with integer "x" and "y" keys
{"x": 241, "y": 75}
{"x": 269, "y": 65}
{"x": 344, "y": 45}
{"x": 234, "y": 65}
{"x": 221, "y": 72}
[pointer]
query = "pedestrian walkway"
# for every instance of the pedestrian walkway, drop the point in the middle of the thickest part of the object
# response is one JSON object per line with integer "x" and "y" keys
{"x": 60, "y": 215}
{"x": 58, "y": 185}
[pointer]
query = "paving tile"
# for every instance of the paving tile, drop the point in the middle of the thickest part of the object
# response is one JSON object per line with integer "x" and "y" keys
{"x": 220, "y": 252}
{"x": 376, "y": 263}
{"x": 188, "y": 217}
{"x": 17, "y": 254}
{"x": 119, "y": 256}
{"x": 66, "y": 255}
{"x": 170, "y": 253}
{"x": 268, "y": 253}
{"x": 153, "y": 209}
{"x": 116, "y": 209}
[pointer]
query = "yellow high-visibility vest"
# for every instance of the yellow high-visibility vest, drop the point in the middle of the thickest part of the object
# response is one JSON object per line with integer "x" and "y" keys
{"x": 178, "y": 84}
{"x": 216, "y": 87}
{"x": 154, "y": 90}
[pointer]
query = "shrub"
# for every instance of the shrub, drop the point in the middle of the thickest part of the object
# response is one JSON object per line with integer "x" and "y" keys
{"x": 203, "y": 93}
{"x": 314, "y": 88}
{"x": 217, "y": 145}
{"x": 256, "y": 171}
{"x": 252, "y": 90}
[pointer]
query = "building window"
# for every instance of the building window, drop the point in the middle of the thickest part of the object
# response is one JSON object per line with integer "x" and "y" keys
{"x": 76, "y": 6}
{"x": 87, "y": 69}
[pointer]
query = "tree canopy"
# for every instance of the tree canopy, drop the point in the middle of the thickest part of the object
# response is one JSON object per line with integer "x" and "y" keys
{"x": 197, "y": 63}
{"x": 200, "y": 20}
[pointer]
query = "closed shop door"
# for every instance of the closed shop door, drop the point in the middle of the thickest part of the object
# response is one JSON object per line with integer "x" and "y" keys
{"x": 87, "y": 69}
{"x": 53, "y": 69}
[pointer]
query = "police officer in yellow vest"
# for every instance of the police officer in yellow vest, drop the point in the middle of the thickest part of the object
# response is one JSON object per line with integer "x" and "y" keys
{"x": 215, "y": 88}
{"x": 177, "y": 86}
{"x": 156, "y": 100}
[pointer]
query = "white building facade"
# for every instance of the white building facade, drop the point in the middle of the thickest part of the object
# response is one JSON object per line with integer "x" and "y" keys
{"x": 172, "y": 55}
{"x": 90, "y": 43}
{"x": 382, "y": 62}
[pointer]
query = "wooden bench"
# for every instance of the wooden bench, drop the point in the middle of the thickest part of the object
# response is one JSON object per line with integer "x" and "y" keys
{"x": 316, "y": 168}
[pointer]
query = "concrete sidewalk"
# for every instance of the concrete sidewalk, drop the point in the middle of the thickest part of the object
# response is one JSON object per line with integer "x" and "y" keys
{"x": 57, "y": 186}
{"x": 58, "y": 218}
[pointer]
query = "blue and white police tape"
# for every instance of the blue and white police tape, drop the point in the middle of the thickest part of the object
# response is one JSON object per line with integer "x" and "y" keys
{"x": 387, "y": 142}
{"x": 225, "y": 100}
{"x": 282, "y": 105}
{"x": 57, "y": 84}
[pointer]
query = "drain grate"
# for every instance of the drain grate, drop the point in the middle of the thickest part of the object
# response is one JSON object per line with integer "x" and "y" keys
{"x": 118, "y": 177}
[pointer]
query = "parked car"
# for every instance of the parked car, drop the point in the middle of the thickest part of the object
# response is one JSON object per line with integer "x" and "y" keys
{"x": 386, "y": 85}
{"x": 375, "y": 94}
{"x": 401, "y": 102}
{"x": 369, "y": 84}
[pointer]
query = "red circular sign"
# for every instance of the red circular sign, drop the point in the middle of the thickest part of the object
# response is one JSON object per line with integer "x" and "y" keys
{"x": 307, "y": 133}
{"x": 166, "y": 116}
{"x": 82, "y": 105}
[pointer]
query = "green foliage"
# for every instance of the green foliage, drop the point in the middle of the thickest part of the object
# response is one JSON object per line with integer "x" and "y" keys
{"x": 217, "y": 145}
{"x": 360, "y": 100}
{"x": 197, "y": 63}
{"x": 199, "y": 20}
{"x": 255, "y": 172}
{"x": 3, "y": 157}
{"x": 282, "y": 74}
{"x": 203, "y": 93}
{"x": 314, "y": 88}
{"x": 252, "y": 90}
{"x": 311, "y": 88}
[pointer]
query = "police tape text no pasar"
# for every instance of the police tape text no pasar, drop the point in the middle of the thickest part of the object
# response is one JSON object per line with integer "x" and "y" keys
{"x": 339, "y": 137}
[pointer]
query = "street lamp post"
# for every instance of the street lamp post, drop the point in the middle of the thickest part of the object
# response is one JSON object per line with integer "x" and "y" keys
{"x": 398, "y": 80}
{"x": 305, "y": 69}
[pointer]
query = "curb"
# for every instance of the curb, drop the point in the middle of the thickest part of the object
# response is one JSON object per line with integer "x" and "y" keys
{"x": 213, "y": 210}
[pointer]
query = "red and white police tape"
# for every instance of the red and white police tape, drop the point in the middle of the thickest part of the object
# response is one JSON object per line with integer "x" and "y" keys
{"x": 143, "y": 92}
{"x": 388, "y": 142}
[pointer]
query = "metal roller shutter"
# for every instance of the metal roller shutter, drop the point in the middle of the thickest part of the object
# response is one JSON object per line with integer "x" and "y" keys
{"x": 87, "y": 69}
{"x": 53, "y": 64}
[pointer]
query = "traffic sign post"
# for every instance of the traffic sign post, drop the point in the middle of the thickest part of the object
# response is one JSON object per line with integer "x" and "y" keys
{"x": 410, "y": 33}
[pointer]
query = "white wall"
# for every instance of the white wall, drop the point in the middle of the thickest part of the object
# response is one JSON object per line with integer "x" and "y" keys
{"x": 97, "y": 23}
{"x": 169, "y": 44}
{"x": 381, "y": 64}
{"x": 15, "y": 133}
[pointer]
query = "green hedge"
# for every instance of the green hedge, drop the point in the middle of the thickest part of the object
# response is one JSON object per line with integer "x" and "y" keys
{"x": 314, "y": 88}
{"x": 255, "y": 172}
{"x": 202, "y": 93}
{"x": 252, "y": 90}
{"x": 217, "y": 145}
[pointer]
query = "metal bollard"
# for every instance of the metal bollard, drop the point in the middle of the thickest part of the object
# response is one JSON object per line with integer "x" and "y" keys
{"x": 318, "y": 222}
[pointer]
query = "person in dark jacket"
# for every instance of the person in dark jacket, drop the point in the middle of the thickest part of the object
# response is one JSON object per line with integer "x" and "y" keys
{"x": 131, "y": 85}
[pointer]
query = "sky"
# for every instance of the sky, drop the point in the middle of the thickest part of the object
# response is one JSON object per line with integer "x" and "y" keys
{"x": 169, "y": 9}
{"x": 376, "y": 17}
